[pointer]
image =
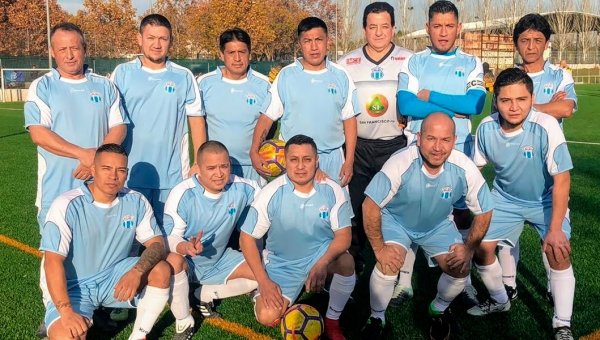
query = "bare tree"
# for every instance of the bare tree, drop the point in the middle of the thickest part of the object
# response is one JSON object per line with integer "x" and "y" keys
{"x": 405, "y": 24}
{"x": 585, "y": 28}
{"x": 347, "y": 12}
{"x": 561, "y": 23}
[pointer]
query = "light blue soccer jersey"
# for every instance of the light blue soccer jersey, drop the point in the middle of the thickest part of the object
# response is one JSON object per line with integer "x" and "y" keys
{"x": 420, "y": 201}
{"x": 190, "y": 209}
{"x": 158, "y": 103}
{"x": 524, "y": 160}
{"x": 454, "y": 73}
{"x": 94, "y": 236}
{"x": 550, "y": 80}
{"x": 297, "y": 225}
{"x": 313, "y": 103}
{"x": 232, "y": 108}
{"x": 79, "y": 111}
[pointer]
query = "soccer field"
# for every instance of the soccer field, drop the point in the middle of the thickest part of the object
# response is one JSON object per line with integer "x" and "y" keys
{"x": 21, "y": 309}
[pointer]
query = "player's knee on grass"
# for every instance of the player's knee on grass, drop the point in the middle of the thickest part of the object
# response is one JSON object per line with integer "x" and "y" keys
{"x": 442, "y": 261}
{"x": 343, "y": 265}
{"x": 485, "y": 254}
{"x": 268, "y": 317}
{"x": 177, "y": 262}
{"x": 160, "y": 275}
{"x": 552, "y": 261}
{"x": 58, "y": 332}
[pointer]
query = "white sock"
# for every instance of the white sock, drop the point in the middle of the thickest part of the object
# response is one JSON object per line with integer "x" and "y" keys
{"x": 233, "y": 287}
{"x": 180, "y": 303}
{"x": 509, "y": 258}
{"x": 562, "y": 284}
{"x": 381, "y": 288}
{"x": 339, "y": 292}
{"x": 491, "y": 275}
{"x": 405, "y": 275}
{"x": 448, "y": 288}
{"x": 548, "y": 270}
{"x": 150, "y": 306}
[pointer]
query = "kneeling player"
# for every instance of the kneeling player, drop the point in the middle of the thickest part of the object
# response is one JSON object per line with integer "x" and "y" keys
{"x": 87, "y": 238}
{"x": 532, "y": 163}
{"x": 308, "y": 235}
{"x": 200, "y": 214}
{"x": 410, "y": 201}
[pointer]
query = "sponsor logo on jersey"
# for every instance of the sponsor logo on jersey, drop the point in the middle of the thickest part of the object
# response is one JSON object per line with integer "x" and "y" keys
{"x": 446, "y": 193}
{"x": 170, "y": 87}
{"x": 250, "y": 99}
{"x": 231, "y": 209}
{"x": 548, "y": 88}
{"x": 528, "y": 151}
{"x": 324, "y": 212}
{"x": 377, "y": 105}
{"x": 151, "y": 78}
{"x": 332, "y": 88}
{"x": 459, "y": 71}
{"x": 377, "y": 73}
{"x": 234, "y": 90}
{"x": 398, "y": 58}
{"x": 475, "y": 83}
{"x": 315, "y": 81}
{"x": 353, "y": 61}
{"x": 95, "y": 97}
{"x": 128, "y": 221}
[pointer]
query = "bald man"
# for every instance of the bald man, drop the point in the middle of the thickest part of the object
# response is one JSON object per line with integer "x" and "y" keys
{"x": 425, "y": 179}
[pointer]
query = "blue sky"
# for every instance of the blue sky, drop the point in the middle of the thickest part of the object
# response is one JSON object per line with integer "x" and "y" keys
{"x": 73, "y": 6}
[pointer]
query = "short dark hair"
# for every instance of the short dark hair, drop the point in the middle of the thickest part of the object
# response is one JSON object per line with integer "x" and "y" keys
{"x": 211, "y": 146}
{"x": 378, "y": 7}
{"x": 532, "y": 21}
{"x": 67, "y": 26}
{"x": 301, "y": 140}
{"x": 234, "y": 34}
{"x": 442, "y": 7}
{"x": 156, "y": 20}
{"x": 309, "y": 23}
{"x": 512, "y": 76}
{"x": 112, "y": 148}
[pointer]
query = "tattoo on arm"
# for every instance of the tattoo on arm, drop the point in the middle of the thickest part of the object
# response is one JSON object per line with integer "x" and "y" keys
{"x": 150, "y": 257}
{"x": 62, "y": 304}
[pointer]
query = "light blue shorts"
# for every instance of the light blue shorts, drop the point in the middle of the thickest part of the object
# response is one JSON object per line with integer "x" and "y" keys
{"x": 331, "y": 163}
{"x": 215, "y": 273}
{"x": 157, "y": 199}
{"x": 88, "y": 294}
{"x": 435, "y": 242}
{"x": 509, "y": 217}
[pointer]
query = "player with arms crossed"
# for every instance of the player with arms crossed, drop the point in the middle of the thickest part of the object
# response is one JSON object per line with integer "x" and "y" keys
{"x": 442, "y": 78}
{"x": 317, "y": 98}
{"x": 410, "y": 201}
{"x": 307, "y": 226}
{"x": 232, "y": 97}
{"x": 200, "y": 216}
{"x": 529, "y": 153}
{"x": 374, "y": 69}
{"x": 86, "y": 242}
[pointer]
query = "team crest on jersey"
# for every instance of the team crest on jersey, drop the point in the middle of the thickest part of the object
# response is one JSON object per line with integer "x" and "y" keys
{"x": 459, "y": 71}
{"x": 231, "y": 209}
{"x": 548, "y": 88}
{"x": 446, "y": 193}
{"x": 528, "y": 151}
{"x": 95, "y": 97}
{"x": 332, "y": 88}
{"x": 353, "y": 61}
{"x": 128, "y": 221}
{"x": 170, "y": 87}
{"x": 324, "y": 212}
{"x": 377, "y": 73}
{"x": 377, "y": 105}
{"x": 250, "y": 99}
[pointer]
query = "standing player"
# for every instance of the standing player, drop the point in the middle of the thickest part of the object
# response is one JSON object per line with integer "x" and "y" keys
{"x": 306, "y": 222}
{"x": 160, "y": 97}
{"x": 200, "y": 216}
{"x": 408, "y": 202}
{"x": 532, "y": 163}
{"x": 69, "y": 112}
{"x": 553, "y": 93}
{"x": 232, "y": 97}
{"x": 86, "y": 242}
{"x": 374, "y": 69}
{"x": 317, "y": 98}
{"x": 442, "y": 78}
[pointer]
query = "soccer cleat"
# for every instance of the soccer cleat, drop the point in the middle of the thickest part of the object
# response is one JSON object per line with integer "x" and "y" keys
{"x": 333, "y": 330}
{"x": 373, "y": 330}
{"x": 511, "y": 292}
{"x": 400, "y": 295}
{"x": 563, "y": 333}
{"x": 184, "y": 334}
{"x": 440, "y": 326}
{"x": 489, "y": 306}
{"x": 119, "y": 314}
{"x": 469, "y": 296}
{"x": 207, "y": 309}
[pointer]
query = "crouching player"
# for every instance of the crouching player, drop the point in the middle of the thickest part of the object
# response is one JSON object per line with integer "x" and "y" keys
{"x": 200, "y": 214}
{"x": 532, "y": 163}
{"x": 307, "y": 225}
{"x": 87, "y": 239}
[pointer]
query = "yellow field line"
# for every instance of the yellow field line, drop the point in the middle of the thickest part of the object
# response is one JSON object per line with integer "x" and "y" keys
{"x": 228, "y": 326}
{"x": 591, "y": 336}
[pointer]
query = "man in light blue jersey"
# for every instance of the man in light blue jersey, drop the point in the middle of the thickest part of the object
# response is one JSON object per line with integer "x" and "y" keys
{"x": 86, "y": 240}
{"x": 410, "y": 201}
{"x": 307, "y": 226}
{"x": 529, "y": 153}
{"x": 161, "y": 99}
{"x": 200, "y": 215}
{"x": 553, "y": 94}
{"x": 317, "y": 98}
{"x": 69, "y": 112}
{"x": 232, "y": 99}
